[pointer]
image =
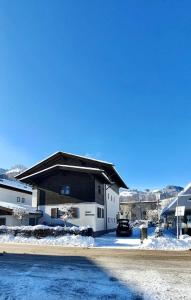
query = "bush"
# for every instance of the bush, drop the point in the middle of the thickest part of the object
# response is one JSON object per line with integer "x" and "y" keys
{"x": 42, "y": 231}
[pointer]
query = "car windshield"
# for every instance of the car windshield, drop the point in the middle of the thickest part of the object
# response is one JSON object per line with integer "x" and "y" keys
{"x": 123, "y": 223}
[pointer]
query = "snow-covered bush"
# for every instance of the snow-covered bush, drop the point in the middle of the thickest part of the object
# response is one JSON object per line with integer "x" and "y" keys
{"x": 41, "y": 231}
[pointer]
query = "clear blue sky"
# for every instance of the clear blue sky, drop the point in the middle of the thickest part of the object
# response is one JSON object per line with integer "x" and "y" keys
{"x": 111, "y": 79}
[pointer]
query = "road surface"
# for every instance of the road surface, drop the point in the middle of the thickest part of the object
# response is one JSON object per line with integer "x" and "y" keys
{"x": 107, "y": 274}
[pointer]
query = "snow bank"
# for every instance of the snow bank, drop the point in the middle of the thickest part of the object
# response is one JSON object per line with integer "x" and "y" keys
{"x": 166, "y": 243}
{"x": 66, "y": 241}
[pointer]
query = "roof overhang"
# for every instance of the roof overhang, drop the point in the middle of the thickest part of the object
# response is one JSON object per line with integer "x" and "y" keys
{"x": 108, "y": 168}
{"x": 43, "y": 173}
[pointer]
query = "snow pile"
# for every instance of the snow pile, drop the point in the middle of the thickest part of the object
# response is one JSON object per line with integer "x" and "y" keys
{"x": 66, "y": 241}
{"x": 13, "y": 206}
{"x": 167, "y": 243}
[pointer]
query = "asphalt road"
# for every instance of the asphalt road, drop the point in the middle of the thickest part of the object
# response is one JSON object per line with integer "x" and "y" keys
{"x": 74, "y": 273}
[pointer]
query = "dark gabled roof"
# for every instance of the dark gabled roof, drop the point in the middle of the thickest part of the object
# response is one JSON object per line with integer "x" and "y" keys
{"x": 51, "y": 169}
{"x": 61, "y": 158}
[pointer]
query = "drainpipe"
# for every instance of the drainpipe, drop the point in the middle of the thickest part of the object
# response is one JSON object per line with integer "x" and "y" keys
{"x": 105, "y": 208}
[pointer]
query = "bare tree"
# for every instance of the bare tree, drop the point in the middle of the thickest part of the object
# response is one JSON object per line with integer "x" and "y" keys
{"x": 152, "y": 215}
{"x": 20, "y": 213}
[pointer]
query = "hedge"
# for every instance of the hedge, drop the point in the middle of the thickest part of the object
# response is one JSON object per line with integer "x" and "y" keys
{"x": 41, "y": 231}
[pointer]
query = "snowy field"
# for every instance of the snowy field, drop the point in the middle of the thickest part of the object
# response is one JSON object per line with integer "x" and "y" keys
{"x": 168, "y": 242}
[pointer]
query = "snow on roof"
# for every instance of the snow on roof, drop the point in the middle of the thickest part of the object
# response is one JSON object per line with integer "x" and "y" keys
{"x": 180, "y": 196}
{"x": 156, "y": 191}
{"x": 57, "y": 152}
{"x": 128, "y": 193}
{"x": 186, "y": 190}
{"x": 13, "y": 206}
{"x": 15, "y": 184}
{"x": 69, "y": 167}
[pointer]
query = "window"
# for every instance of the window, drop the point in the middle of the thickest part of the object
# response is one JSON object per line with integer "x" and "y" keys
{"x": 102, "y": 213}
{"x": 65, "y": 190}
{"x": 99, "y": 189}
{"x": 2, "y": 221}
{"x": 111, "y": 197}
{"x": 108, "y": 196}
{"x": 18, "y": 199}
{"x": 54, "y": 213}
{"x": 23, "y": 200}
{"x": 75, "y": 212}
{"x": 98, "y": 212}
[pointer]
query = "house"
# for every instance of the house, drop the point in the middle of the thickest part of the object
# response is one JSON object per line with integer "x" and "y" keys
{"x": 85, "y": 188}
{"x": 168, "y": 213}
{"x": 135, "y": 205}
{"x": 16, "y": 204}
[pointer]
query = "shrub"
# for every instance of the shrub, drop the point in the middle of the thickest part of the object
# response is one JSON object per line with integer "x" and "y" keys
{"x": 42, "y": 231}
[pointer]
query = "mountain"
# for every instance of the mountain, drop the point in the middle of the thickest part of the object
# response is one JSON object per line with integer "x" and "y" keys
{"x": 12, "y": 172}
{"x": 150, "y": 195}
{"x": 2, "y": 171}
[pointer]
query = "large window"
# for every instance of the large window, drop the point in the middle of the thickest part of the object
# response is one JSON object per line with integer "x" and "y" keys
{"x": 18, "y": 199}
{"x": 65, "y": 190}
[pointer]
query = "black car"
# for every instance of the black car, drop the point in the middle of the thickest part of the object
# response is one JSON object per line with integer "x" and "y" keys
{"x": 123, "y": 228}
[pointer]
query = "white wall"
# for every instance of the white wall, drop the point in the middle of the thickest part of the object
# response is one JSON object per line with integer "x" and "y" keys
{"x": 11, "y": 196}
{"x": 12, "y": 221}
{"x": 112, "y": 207}
{"x": 87, "y": 214}
{"x": 34, "y": 197}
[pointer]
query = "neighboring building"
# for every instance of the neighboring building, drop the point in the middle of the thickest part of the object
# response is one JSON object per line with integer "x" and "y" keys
{"x": 85, "y": 187}
{"x": 15, "y": 196}
{"x": 134, "y": 204}
{"x": 168, "y": 213}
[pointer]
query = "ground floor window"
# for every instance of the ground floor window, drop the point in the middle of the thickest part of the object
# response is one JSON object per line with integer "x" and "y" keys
{"x": 54, "y": 213}
{"x": 100, "y": 213}
{"x": 2, "y": 221}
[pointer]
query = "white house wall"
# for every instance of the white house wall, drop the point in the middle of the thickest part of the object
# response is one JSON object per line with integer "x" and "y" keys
{"x": 87, "y": 214}
{"x": 112, "y": 207}
{"x": 12, "y": 221}
{"x": 10, "y": 196}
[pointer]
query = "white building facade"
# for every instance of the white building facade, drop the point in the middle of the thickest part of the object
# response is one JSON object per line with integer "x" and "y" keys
{"x": 15, "y": 196}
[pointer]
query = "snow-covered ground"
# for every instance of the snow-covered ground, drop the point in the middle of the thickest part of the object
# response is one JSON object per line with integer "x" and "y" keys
{"x": 168, "y": 242}
{"x": 96, "y": 277}
{"x": 66, "y": 240}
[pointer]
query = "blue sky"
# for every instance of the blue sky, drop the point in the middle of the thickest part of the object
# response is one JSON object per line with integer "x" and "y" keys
{"x": 109, "y": 79}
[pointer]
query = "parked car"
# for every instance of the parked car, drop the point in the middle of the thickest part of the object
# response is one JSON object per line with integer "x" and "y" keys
{"x": 123, "y": 228}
